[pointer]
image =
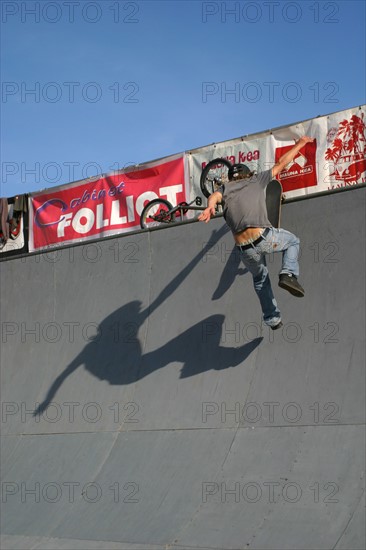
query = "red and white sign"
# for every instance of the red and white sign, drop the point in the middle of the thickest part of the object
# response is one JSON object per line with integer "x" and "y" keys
{"x": 107, "y": 206}
{"x": 301, "y": 171}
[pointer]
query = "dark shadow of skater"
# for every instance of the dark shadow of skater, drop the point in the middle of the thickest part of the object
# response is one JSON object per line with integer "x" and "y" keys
{"x": 231, "y": 270}
{"x": 115, "y": 354}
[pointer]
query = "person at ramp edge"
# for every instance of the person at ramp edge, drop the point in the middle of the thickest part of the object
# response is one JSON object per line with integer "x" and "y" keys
{"x": 244, "y": 207}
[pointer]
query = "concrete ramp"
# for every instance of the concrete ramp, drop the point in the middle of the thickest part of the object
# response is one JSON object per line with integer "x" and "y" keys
{"x": 145, "y": 406}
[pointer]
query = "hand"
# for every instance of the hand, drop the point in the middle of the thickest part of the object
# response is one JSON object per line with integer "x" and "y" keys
{"x": 290, "y": 155}
{"x": 305, "y": 139}
{"x": 206, "y": 214}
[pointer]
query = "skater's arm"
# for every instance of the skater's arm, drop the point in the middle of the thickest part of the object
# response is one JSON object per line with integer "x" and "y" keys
{"x": 290, "y": 155}
{"x": 208, "y": 212}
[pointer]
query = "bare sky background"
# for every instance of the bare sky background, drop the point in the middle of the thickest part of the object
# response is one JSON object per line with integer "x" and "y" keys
{"x": 90, "y": 87}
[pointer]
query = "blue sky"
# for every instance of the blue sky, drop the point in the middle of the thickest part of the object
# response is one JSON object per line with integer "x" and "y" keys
{"x": 89, "y": 87}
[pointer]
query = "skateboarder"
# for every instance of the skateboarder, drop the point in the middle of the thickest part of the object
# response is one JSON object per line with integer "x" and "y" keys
{"x": 244, "y": 209}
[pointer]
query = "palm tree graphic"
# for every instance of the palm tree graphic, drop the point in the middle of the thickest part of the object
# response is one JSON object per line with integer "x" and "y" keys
{"x": 348, "y": 150}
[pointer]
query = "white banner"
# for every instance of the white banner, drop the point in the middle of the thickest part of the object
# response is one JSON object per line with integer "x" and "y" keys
{"x": 336, "y": 158}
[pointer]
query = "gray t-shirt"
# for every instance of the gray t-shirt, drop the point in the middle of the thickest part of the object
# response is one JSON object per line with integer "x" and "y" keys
{"x": 244, "y": 202}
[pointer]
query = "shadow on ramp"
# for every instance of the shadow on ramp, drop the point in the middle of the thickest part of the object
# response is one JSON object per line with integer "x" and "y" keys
{"x": 116, "y": 355}
{"x": 231, "y": 270}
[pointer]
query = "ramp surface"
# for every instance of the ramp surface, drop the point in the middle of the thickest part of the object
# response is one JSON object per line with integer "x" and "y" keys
{"x": 146, "y": 406}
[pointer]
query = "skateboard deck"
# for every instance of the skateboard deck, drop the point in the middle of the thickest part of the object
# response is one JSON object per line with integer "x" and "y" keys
{"x": 273, "y": 201}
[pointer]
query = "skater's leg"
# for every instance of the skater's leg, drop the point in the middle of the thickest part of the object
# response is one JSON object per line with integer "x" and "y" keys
{"x": 255, "y": 262}
{"x": 280, "y": 240}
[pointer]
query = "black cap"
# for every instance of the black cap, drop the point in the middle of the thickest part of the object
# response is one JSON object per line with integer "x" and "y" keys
{"x": 236, "y": 171}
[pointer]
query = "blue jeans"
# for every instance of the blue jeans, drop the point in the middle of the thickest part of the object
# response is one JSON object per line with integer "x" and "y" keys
{"x": 277, "y": 240}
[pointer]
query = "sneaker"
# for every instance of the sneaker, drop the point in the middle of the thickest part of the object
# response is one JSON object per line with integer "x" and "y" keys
{"x": 289, "y": 282}
{"x": 276, "y": 327}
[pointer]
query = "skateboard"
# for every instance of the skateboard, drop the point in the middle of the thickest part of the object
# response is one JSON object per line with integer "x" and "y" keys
{"x": 274, "y": 201}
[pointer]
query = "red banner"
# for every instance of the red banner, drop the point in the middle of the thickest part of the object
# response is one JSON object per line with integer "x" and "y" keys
{"x": 107, "y": 206}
